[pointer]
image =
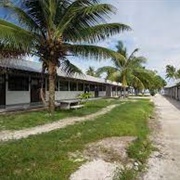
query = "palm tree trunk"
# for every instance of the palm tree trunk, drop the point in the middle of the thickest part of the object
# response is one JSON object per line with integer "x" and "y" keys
{"x": 124, "y": 83}
{"x": 52, "y": 77}
{"x": 42, "y": 91}
{"x": 124, "y": 89}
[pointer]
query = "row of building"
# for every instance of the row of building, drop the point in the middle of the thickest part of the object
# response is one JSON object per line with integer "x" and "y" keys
{"x": 20, "y": 82}
{"x": 173, "y": 90}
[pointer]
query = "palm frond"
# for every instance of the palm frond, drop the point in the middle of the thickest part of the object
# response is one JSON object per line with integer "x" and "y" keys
{"x": 95, "y": 33}
{"x": 83, "y": 14}
{"x": 23, "y": 18}
{"x": 70, "y": 68}
{"x": 90, "y": 51}
{"x": 137, "y": 83}
{"x": 14, "y": 36}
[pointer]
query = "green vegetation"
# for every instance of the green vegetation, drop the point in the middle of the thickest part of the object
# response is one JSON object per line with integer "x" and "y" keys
{"x": 54, "y": 30}
{"x": 172, "y": 72}
{"x": 45, "y": 156}
{"x": 31, "y": 119}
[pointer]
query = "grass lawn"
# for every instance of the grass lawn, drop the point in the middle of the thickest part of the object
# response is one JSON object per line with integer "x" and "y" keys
{"x": 45, "y": 156}
{"x": 31, "y": 119}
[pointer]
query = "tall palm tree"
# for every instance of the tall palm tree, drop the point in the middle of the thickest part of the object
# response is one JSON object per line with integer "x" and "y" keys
{"x": 126, "y": 68}
{"x": 91, "y": 71}
{"x": 171, "y": 72}
{"x": 56, "y": 29}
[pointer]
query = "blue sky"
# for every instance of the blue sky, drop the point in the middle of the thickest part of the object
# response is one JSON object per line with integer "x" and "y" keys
{"x": 156, "y": 32}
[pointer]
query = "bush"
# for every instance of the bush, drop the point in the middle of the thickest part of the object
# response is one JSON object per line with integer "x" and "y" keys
{"x": 85, "y": 95}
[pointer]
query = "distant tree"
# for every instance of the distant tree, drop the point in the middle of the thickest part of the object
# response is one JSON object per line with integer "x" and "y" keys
{"x": 91, "y": 71}
{"x": 127, "y": 69}
{"x": 171, "y": 72}
{"x": 156, "y": 84}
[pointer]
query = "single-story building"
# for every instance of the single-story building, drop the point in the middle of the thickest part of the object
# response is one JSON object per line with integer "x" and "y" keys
{"x": 173, "y": 90}
{"x": 20, "y": 82}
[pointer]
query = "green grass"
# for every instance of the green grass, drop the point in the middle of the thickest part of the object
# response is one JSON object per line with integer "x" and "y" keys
{"x": 31, "y": 119}
{"x": 46, "y": 156}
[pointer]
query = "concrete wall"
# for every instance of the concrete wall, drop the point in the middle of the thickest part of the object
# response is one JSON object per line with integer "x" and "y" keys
{"x": 20, "y": 97}
{"x": 17, "y": 97}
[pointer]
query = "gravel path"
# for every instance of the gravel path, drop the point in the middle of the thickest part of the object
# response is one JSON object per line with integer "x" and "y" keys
{"x": 8, "y": 135}
{"x": 165, "y": 163}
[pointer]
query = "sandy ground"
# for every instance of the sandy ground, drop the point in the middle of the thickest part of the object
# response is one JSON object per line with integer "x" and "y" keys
{"x": 165, "y": 163}
{"x": 104, "y": 158}
{"x": 8, "y": 135}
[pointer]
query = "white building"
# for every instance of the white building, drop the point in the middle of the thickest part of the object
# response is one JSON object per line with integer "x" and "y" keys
{"x": 20, "y": 84}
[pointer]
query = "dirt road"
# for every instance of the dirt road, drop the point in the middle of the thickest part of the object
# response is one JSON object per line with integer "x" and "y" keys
{"x": 165, "y": 163}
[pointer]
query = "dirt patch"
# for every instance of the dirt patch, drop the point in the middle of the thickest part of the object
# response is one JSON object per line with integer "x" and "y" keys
{"x": 104, "y": 157}
{"x": 110, "y": 149}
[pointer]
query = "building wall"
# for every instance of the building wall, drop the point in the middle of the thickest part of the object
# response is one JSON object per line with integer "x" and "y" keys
{"x": 21, "y": 97}
{"x": 17, "y": 97}
{"x": 59, "y": 95}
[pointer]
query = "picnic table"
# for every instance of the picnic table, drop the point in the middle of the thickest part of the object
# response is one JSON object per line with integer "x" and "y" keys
{"x": 70, "y": 104}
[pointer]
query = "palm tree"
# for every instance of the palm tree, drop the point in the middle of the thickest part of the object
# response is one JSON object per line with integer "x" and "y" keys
{"x": 126, "y": 69}
{"x": 91, "y": 71}
{"x": 170, "y": 72}
{"x": 56, "y": 29}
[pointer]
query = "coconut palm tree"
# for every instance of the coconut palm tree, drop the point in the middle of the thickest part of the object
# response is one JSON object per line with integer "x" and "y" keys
{"x": 126, "y": 69}
{"x": 170, "y": 72}
{"x": 91, "y": 71}
{"x": 56, "y": 29}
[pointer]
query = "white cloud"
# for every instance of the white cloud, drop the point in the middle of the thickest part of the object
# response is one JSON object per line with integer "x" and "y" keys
{"x": 156, "y": 29}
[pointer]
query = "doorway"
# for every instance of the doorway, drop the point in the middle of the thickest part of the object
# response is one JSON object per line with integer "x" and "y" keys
{"x": 35, "y": 90}
{"x": 2, "y": 91}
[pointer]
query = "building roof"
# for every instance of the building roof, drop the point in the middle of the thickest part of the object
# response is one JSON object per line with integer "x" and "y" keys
{"x": 32, "y": 66}
{"x": 172, "y": 84}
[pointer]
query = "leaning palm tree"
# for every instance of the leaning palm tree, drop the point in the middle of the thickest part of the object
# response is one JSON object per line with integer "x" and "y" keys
{"x": 125, "y": 68}
{"x": 171, "y": 72}
{"x": 56, "y": 29}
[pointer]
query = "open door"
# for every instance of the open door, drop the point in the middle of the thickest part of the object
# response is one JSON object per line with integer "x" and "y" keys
{"x": 35, "y": 90}
{"x": 2, "y": 91}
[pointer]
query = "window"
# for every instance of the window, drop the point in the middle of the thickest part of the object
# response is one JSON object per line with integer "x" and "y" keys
{"x": 64, "y": 86}
{"x": 80, "y": 87}
{"x": 18, "y": 83}
{"x": 119, "y": 88}
{"x": 57, "y": 85}
{"x": 100, "y": 88}
{"x": 104, "y": 88}
{"x": 114, "y": 88}
{"x": 92, "y": 87}
{"x": 73, "y": 86}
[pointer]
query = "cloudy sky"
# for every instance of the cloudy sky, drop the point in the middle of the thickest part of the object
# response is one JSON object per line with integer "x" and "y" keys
{"x": 156, "y": 31}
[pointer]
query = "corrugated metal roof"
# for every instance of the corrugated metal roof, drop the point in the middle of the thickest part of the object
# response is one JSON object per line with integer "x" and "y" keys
{"x": 32, "y": 66}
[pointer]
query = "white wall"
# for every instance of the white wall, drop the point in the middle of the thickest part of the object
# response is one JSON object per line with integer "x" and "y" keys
{"x": 17, "y": 97}
{"x": 102, "y": 93}
{"x": 64, "y": 94}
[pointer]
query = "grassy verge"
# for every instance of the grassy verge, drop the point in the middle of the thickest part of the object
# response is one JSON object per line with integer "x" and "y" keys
{"x": 46, "y": 156}
{"x": 31, "y": 119}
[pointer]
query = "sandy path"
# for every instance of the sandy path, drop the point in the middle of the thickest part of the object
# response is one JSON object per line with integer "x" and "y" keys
{"x": 165, "y": 164}
{"x": 8, "y": 135}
